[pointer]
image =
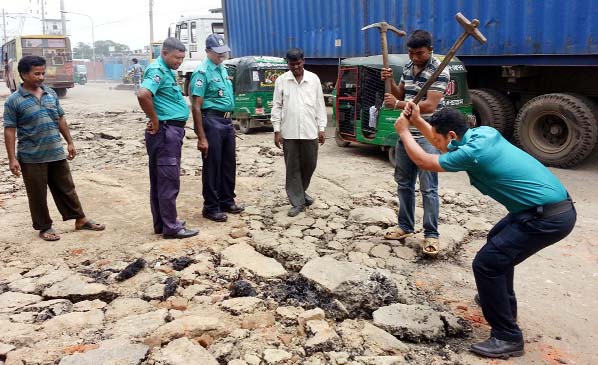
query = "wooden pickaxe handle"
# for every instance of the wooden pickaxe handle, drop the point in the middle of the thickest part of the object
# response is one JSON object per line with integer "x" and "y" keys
{"x": 383, "y": 28}
{"x": 471, "y": 29}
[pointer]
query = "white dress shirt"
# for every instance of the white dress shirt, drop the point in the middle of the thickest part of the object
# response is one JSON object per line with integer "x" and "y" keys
{"x": 298, "y": 109}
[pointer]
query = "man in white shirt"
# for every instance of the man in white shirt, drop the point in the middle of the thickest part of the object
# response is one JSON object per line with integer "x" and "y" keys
{"x": 299, "y": 121}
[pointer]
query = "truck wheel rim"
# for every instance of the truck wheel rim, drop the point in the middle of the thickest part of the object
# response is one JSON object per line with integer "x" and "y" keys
{"x": 551, "y": 132}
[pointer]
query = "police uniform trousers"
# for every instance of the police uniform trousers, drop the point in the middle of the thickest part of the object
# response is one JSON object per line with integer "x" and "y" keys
{"x": 220, "y": 166}
{"x": 300, "y": 159}
{"x": 512, "y": 240}
{"x": 164, "y": 152}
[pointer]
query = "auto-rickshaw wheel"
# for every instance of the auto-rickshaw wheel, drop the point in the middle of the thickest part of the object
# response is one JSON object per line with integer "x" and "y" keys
{"x": 245, "y": 126}
{"x": 339, "y": 140}
{"x": 392, "y": 158}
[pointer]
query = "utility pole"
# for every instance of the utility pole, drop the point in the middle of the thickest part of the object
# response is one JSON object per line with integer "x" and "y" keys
{"x": 151, "y": 19}
{"x": 62, "y": 17}
{"x": 43, "y": 18}
{"x": 4, "y": 24}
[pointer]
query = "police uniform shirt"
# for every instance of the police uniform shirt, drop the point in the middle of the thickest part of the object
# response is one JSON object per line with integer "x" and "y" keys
{"x": 210, "y": 81}
{"x": 169, "y": 102}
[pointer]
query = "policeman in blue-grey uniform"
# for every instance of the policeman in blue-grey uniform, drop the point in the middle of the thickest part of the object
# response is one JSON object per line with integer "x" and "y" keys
{"x": 161, "y": 99}
{"x": 212, "y": 101}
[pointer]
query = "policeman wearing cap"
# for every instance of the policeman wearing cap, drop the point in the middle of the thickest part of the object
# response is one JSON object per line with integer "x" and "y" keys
{"x": 161, "y": 99}
{"x": 212, "y": 101}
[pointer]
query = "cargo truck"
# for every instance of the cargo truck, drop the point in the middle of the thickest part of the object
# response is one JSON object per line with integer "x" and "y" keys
{"x": 535, "y": 80}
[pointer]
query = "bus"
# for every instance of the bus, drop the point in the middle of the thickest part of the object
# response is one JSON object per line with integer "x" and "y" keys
{"x": 192, "y": 31}
{"x": 55, "y": 49}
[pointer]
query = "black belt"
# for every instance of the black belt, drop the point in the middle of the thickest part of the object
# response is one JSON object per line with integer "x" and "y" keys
{"x": 216, "y": 113}
{"x": 174, "y": 123}
{"x": 548, "y": 210}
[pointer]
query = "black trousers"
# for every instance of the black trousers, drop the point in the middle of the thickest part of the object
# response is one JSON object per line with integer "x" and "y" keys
{"x": 300, "y": 159}
{"x": 512, "y": 240}
{"x": 56, "y": 175}
{"x": 220, "y": 167}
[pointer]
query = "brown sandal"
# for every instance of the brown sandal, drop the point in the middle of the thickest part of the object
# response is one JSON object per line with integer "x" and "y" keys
{"x": 397, "y": 234}
{"x": 49, "y": 235}
{"x": 430, "y": 247}
{"x": 91, "y": 226}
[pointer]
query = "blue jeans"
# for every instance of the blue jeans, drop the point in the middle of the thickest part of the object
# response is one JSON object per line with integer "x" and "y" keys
{"x": 406, "y": 173}
{"x": 512, "y": 240}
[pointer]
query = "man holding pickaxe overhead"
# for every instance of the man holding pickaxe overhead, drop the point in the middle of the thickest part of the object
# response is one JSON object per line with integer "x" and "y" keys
{"x": 415, "y": 74}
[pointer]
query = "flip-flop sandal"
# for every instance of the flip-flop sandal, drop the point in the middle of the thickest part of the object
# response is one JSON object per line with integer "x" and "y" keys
{"x": 91, "y": 226}
{"x": 397, "y": 234}
{"x": 430, "y": 247}
{"x": 49, "y": 235}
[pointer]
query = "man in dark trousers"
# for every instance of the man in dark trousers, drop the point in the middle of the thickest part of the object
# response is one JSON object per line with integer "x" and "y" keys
{"x": 212, "y": 101}
{"x": 299, "y": 121}
{"x": 161, "y": 99}
{"x": 540, "y": 210}
{"x": 33, "y": 115}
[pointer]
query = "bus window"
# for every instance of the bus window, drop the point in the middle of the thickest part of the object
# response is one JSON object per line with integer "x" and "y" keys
{"x": 182, "y": 32}
{"x": 218, "y": 28}
{"x": 193, "y": 31}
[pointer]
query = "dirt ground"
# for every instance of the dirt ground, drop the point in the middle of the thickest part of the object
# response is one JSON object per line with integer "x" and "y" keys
{"x": 557, "y": 288}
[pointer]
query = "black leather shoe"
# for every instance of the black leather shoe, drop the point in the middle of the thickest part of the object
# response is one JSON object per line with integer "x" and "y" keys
{"x": 183, "y": 233}
{"x": 493, "y": 347}
{"x": 294, "y": 211}
{"x": 216, "y": 217}
{"x": 309, "y": 200}
{"x": 234, "y": 209}
{"x": 159, "y": 231}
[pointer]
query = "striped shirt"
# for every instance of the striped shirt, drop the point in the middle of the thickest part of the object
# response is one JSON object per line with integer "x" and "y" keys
{"x": 36, "y": 121}
{"x": 414, "y": 83}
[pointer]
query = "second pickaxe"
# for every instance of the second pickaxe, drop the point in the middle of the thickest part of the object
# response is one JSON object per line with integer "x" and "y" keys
{"x": 471, "y": 29}
{"x": 383, "y": 27}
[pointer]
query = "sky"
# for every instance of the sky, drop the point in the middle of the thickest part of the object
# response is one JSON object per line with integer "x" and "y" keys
{"x": 122, "y": 21}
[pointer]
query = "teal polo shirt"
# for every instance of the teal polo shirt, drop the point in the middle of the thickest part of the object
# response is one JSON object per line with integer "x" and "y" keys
{"x": 210, "y": 81}
{"x": 502, "y": 171}
{"x": 169, "y": 102}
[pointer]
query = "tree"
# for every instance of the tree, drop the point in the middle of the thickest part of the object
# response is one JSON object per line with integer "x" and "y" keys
{"x": 82, "y": 50}
{"x": 103, "y": 48}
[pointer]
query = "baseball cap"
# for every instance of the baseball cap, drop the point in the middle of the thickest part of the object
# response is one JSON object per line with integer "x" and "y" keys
{"x": 216, "y": 43}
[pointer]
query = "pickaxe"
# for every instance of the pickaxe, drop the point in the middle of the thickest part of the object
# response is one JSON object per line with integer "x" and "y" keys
{"x": 471, "y": 29}
{"x": 383, "y": 27}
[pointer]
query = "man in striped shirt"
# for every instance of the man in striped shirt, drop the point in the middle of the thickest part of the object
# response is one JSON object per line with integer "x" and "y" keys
{"x": 415, "y": 75}
{"x": 34, "y": 117}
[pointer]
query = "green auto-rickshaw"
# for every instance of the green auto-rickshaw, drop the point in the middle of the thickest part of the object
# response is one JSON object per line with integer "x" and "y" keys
{"x": 358, "y": 109}
{"x": 80, "y": 74}
{"x": 253, "y": 80}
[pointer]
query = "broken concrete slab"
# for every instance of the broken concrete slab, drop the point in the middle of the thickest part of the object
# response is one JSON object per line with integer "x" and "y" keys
{"x": 12, "y": 301}
{"x": 373, "y": 215}
{"x": 247, "y": 257}
{"x": 183, "y": 351}
{"x": 360, "y": 289}
{"x": 77, "y": 288}
{"x": 416, "y": 322}
{"x": 119, "y": 354}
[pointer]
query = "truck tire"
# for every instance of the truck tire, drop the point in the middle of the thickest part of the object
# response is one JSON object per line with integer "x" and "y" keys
{"x": 245, "y": 126}
{"x": 559, "y": 130}
{"x": 494, "y": 109}
{"x": 61, "y": 92}
{"x": 339, "y": 140}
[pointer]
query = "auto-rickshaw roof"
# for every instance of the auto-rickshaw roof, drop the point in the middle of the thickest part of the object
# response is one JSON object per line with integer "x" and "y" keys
{"x": 396, "y": 60}
{"x": 256, "y": 62}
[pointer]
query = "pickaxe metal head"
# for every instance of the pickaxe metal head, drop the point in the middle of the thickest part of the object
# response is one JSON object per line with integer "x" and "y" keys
{"x": 471, "y": 27}
{"x": 383, "y": 27}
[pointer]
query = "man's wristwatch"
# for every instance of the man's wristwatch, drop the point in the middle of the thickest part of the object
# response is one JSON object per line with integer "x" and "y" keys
{"x": 396, "y": 104}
